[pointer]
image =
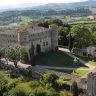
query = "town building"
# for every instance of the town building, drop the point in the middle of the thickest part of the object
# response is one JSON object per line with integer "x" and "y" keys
{"x": 86, "y": 52}
{"x": 47, "y": 38}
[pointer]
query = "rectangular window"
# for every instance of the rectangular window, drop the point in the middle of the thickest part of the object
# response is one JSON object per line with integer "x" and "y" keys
{"x": 46, "y": 43}
{"x": 43, "y": 43}
{"x": 40, "y": 40}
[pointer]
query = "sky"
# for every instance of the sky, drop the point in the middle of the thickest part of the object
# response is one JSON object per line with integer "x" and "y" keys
{"x": 16, "y": 2}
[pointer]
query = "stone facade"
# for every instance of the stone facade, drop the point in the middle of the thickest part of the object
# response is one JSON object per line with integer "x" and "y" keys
{"x": 81, "y": 52}
{"x": 91, "y": 84}
{"x": 91, "y": 51}
{"x": 24, "y": 35}
{"x": 86, "y": 52}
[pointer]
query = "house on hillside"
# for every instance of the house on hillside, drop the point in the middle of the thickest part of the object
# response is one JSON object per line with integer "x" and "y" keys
{"x": 90, "y": 17}
{"x": 81, "y": 52}
{"x": 91, "y": 51}
{"x": 86, "y": 52}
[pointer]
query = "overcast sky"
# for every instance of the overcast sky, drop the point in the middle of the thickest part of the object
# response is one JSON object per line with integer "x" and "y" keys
{"x": 16, "y": 2}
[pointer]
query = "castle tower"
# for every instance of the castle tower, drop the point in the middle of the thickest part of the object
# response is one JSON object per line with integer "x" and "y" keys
{"x": 23, "y": 37}
{"x": 91, "y": 84}
{"x": 33, "y": 24}
{"x": 54, "y": 35}
{"x": 22, "y": 26}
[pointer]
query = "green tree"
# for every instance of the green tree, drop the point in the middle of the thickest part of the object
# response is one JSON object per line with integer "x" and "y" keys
{"x": 70, "y": 42}
{"x": 49, "y": 77}
{"x": 15, "y": 54}
{"x": 0, "y": 53}
{"x": 65, "y": 93}
{"x": 25, "y": 57}
{"x": 55, "y": 21}
{"x": 94, "y": 37}
{"x": 4, "y": 52}
{"x": 38, "y": 49}
{"x": 74, "y": 89}
{"x": 63, "y": 32}
{"x": 17, "y": 92}
{"x": 81, "y": 35}
{"x": 93, "y": 29}
{"x": 31, "y": 53}
{"x": 76, "y": 60}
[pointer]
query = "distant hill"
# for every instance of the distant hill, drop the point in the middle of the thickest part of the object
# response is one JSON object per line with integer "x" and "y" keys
{"x": 38, "y": 6}
{"x": 67, "y": 5}
{"x": 19, "y": 7}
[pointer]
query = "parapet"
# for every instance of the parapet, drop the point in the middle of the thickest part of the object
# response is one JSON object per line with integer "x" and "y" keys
{"x": 22, "y": 26}
{"x": 33, "y": 23}
{"x": 22, "y": 30}
{"x": 53, "y": 25}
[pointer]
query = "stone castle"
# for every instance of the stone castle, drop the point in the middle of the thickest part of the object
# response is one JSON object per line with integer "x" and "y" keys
{"x": 47, "y": 38}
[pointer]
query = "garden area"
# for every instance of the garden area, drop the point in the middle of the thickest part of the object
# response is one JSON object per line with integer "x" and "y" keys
{"x": 57, "y": 59}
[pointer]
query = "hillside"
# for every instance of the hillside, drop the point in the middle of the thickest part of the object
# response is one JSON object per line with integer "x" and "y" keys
{"x": 41, "y": 6}
{"x": 67, "y": 5}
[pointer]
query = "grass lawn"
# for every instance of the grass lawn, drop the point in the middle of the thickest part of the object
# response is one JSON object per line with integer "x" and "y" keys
{"x": 57, "y": 59}
{"x": 92, "y": 61}
{"x": 77, "y": 72}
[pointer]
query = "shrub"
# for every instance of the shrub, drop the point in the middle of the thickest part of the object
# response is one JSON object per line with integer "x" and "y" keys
{"x": 51, "y": 92}
{"x": 49, "y": 77}
{"x": 65, "y": 93}
{"x": 76, "y": 60}
{"x": 2, "y": 88}
{"x": 12, "y": 74}
{"x": 12, "y": 84}
{"x": 25, "y": 58}
{"x": 74, "y": 89}
{"x": 21, "y": 78}
{"x": 39, "y": 91}
{"x": 61, "y": 83}
{"x": 34, "y": 84}
{"x": 17, "y": 92}
{"x": 29, "y": 70}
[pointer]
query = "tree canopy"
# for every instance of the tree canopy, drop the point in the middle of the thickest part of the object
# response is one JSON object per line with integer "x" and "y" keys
{"x": 81, "y": 35}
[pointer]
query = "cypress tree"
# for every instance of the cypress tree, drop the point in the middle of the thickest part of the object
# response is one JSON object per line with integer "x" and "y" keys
{"x": 74, "y": 89}
{"x": 70, "y": 42}
{"x": 38, "y": 49}
{"x": 31, "y": 53}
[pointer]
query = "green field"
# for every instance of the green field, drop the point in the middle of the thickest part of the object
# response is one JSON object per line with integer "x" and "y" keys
{"x": 24, "y": 20}
{"x": 57, "y": 59}
{"x": 86, "y": 23}
{"x": 76, "y": 72}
